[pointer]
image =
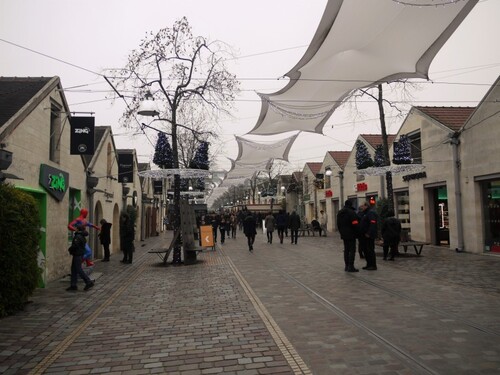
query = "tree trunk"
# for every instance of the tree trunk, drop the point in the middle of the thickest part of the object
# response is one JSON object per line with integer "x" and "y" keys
{"x": 385, "y": 145}
{"x": 177, "y": 259}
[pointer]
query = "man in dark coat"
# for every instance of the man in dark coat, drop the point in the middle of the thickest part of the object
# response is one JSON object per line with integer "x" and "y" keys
{"x": 249, "y": 228}
{"x": 347, "y": 224}
{"x": 391, "y": 233}
{"x": 369, "y": 223}
{"x": 105, "y": 238}
{"x": 294, "y": 225}
{"x": 77, "y": 250}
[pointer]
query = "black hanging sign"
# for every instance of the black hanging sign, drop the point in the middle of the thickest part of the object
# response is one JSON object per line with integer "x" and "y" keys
{"x": 125, "y": 168}
{"x": 82, "y": 135}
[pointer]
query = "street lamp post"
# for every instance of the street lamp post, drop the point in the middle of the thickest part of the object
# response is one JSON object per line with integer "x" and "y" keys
{"x": 283, "y": 193}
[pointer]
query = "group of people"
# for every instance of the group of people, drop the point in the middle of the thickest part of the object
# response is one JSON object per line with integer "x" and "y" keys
{"x": 82, "y": 253}
{"x": 282, "y": 222}
{"x": 363, "y": 227}
{"x": 226, "y": 223}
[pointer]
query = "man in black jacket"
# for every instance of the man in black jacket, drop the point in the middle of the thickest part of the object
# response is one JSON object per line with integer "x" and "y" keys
{"x": 347, "y": 224}
{"x": 76, "y": 250}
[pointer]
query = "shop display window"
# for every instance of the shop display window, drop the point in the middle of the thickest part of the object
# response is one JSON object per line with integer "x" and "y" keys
{"x": 491, "y": 210}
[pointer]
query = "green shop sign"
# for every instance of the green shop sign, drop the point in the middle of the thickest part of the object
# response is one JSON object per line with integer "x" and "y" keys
{"x": 54, "y": 180}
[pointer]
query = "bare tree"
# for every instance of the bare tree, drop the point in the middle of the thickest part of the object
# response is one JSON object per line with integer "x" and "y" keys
{"x": 402, "y": 89}
{"x": 187, "y": 76}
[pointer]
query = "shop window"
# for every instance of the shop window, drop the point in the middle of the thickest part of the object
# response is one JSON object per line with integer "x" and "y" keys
{"x": 403, "y": 210}
{"x": 415, "y": 147}
{"x": 491, "y": 212}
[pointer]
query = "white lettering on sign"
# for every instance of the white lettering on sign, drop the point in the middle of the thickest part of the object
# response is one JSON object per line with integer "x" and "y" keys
{"x": 82, "y": 131}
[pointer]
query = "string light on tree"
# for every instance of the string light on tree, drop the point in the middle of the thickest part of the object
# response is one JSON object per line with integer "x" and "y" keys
{"x": 378, "y": 158}
{"x": 363, "y": 157}
{"x": 402, "y": 151}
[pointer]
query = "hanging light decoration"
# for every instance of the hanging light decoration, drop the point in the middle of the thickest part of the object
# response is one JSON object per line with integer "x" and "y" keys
{"x": 147, "y": 107}
{"x": 426, "y": 3}
{"x": 298, "y": 112}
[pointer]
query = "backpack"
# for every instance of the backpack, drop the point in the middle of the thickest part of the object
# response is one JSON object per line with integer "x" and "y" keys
{"x": 77, "y": 244}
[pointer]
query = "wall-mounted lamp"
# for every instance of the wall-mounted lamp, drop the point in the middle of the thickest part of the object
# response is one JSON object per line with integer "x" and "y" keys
{"x": 328, "y": 171}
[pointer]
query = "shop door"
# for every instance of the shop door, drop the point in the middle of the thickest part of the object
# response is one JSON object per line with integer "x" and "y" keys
{"x": 442, "y": 227}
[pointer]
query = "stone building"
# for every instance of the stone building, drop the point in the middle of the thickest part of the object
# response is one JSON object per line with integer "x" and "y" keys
{"x": 37, "y": 132}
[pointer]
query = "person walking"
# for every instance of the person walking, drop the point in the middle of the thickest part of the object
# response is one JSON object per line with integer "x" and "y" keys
{"x": 77, "y": 249}
{"x": 82, "y": 219}
{"x": 347, "y": 224}
{"x": 269, "y": 223}
{"x": 215, "y": 225}
{"x": 234, "y": 225}
{"x": 294, "y": 225}
{"x": 369, "y": 224}
{"x": 222, "y": 228}
{"x": 250, "y": 229}
{"x": 127, "y": 236}
{"x": 323, "y": 221}
{"x": 105, "y": 238}
{"x": 391, "y": 234}
{"x": 281, "y": 224}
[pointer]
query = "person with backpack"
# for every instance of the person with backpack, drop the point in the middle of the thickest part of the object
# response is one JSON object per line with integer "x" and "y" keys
{"x": 82, "y": 219}
{"x": 391, "y": 233}
{"x": 347, "y": 224}
{"x": 77, "y": 249}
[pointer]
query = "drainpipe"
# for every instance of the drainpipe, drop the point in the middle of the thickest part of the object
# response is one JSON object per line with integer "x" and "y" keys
{"x": 455, "y": 141}
{"x": 341, "y": 189}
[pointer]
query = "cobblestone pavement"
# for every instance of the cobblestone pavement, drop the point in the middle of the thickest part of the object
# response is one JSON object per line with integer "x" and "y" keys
{"x": 282, "y": 309}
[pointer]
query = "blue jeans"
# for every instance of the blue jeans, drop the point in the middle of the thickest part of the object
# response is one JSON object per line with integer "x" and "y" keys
{"x": 76, "y": 270}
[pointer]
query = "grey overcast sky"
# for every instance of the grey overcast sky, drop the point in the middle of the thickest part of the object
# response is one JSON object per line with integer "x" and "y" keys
{"x": 269, "y": 37}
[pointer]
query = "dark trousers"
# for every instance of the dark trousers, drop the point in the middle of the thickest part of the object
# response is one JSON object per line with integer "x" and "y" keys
{"x": 269, "y": 236}
{"x": 106, "y": 250}
{"x": 76, "y": 270}
{"x": 371, "y": 260}
{"x": 222, "y": 234}
{"x": 127, "y": 256}
{"x": 362, "y": 246}
{"x": 295, "y": 235}
{"x": 349, "y": 253}
{"x": 281, "y": 231}
{"x": 391, "y": 248}
{"x": 250, "y": 241}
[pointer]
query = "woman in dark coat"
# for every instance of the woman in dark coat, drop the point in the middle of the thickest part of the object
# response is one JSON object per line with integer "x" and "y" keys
{"x": 105, "y": 238}
{"x": 127, "y": 235}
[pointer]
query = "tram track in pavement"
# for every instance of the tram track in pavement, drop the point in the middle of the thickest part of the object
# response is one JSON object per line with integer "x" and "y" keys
{"x": 419, "y": 302}
{"x": 405, "y": 356}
